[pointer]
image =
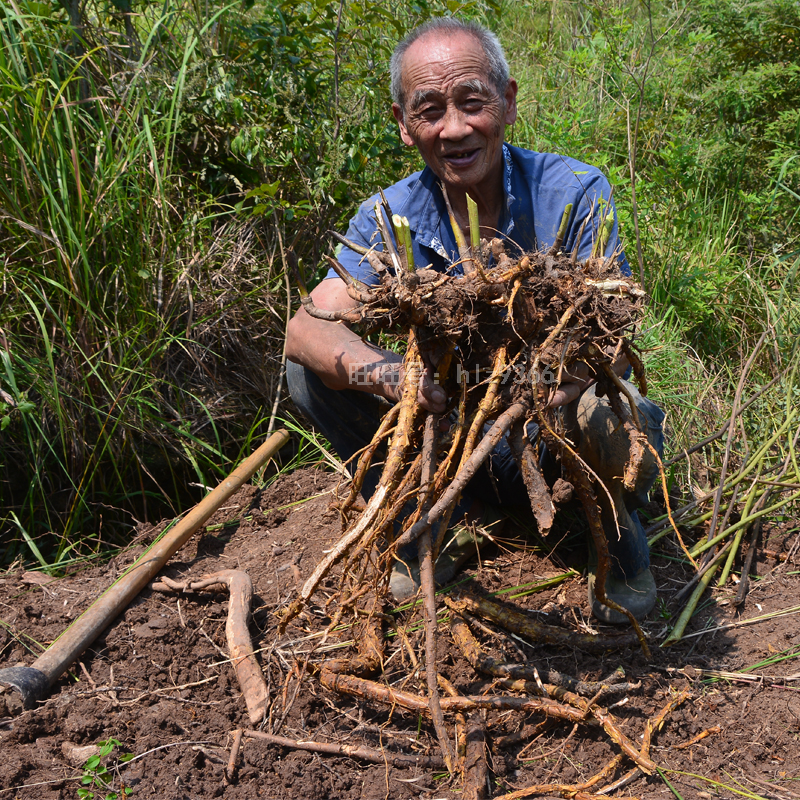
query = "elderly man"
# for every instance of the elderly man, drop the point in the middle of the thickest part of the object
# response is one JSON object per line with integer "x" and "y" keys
{"x": 453, "y": 98}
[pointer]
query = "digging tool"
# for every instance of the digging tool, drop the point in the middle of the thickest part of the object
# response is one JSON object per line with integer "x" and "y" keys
{"x": 34, "y": 681}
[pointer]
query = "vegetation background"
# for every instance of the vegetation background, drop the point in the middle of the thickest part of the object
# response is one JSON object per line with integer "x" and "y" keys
{"x": 156, "y": 159}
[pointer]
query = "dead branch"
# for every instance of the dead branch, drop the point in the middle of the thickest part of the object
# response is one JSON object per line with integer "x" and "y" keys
{"x": 351, "y": 751}
{"x": 481, "y": 662}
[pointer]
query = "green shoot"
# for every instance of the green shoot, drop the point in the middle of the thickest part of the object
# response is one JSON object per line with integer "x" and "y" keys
{"x": 409, "y": 244}
{"x": 474, "y": 224}
{"x": 97, "y": 780}
{"x": 535, "y": 586}
{"x": 669, "y": 785}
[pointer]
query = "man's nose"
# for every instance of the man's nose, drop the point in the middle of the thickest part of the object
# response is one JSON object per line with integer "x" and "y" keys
{"x": 455, "y": 125}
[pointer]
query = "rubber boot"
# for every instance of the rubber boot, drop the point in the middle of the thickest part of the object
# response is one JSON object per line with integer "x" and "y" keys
{"x": 461, "y": 543}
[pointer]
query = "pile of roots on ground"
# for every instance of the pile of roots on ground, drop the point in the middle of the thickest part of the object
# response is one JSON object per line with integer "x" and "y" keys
{"x": 500, "y": 338}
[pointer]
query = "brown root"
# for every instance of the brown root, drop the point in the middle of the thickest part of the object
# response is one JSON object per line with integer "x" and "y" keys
{"x": 240, "y": 646}
{"x": 538, "y": 492}
{"x": 517, "y": 621}
{"x": 498, "y": 338}
{"x": 429, "y": 590}
{"x": 481, "y": 662}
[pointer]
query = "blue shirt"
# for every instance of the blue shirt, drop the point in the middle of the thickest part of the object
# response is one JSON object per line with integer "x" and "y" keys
{"x": 537, "y": 187}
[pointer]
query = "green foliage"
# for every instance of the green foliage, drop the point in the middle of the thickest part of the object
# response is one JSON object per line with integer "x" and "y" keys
{"x": 155, "y": 164}
{"x": 150, "y": 178}
{"x": 699, "y": 101}
{"x": 746, "y": 96}
{"x": 295, "y": 108}
{"x": 94, "y": 347}
{"x": 97, "y": 780}
{"x": 702, "y": 100}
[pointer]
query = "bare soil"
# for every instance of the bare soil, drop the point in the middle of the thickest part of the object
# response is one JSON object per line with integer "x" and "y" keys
{"x": 159, "y": 681}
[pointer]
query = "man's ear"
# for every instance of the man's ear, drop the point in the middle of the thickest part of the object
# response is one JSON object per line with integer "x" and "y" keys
{"x": 400, "y": 117}
{"x": 510, "y": 96}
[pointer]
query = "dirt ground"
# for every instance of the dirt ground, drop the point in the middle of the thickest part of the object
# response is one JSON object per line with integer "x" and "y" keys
{"x": 159, "y": 681}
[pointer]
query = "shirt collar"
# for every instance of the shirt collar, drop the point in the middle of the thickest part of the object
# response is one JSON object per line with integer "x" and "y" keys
{"x": 426, "y": 210}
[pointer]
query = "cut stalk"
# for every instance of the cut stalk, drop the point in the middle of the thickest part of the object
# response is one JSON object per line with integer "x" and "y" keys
{"x": 461, "y": 241}
{"x": 744, "y": 522}
{"x": 402, "y": 233}
{"x": 680, "y": 626}
{"x": 474, "y": 226}
{"x": 562, "y": 229}
{"x": 409, "y": 244}
{"x": 388, "y": 244}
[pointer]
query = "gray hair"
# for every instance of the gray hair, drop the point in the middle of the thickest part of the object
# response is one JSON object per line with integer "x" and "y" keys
{"x": 496, "y": 59}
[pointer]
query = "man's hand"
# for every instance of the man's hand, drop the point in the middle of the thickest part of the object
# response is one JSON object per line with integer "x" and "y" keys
{"x": 573, "y": 381}
{"x": 576, "y": 379}
{"x": 430, "y": 395}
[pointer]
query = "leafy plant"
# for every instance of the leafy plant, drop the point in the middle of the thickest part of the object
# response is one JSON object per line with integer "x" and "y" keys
{"x": 97, "y": 780}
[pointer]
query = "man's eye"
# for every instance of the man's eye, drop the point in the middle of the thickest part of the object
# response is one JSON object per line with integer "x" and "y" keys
{"x": 473, "y": 104}
{"x": 430, "y": 112}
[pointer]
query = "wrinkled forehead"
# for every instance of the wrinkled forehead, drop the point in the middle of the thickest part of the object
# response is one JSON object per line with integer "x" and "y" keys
{"x": 440, "y": 62}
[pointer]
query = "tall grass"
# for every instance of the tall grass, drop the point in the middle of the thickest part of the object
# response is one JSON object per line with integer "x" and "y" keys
{"x": 107, "y": 325}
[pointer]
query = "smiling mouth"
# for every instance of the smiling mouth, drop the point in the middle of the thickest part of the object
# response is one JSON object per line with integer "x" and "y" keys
{"x": 461, "y": 156}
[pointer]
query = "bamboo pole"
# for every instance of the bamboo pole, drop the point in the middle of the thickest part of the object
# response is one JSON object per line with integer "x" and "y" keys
{"x": 34, "y": 681}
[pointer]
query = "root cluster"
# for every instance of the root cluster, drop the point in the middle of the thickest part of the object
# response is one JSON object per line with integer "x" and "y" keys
{"x": 500, "y": 339}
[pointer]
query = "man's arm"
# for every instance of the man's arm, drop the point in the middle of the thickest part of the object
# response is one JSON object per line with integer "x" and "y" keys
{"x": 335, "y": 353}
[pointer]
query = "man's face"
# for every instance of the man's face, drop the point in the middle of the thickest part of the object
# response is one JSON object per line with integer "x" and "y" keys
{"x": 454, "y": 115}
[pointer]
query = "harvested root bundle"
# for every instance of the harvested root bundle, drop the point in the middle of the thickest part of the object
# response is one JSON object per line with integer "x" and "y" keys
{"x": 498, "y": 338}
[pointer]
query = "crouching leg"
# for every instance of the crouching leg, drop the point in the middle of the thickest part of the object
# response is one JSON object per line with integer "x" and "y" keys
{"x": 604, "y": 445}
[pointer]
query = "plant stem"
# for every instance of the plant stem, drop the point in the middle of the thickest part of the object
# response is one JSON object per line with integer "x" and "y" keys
{"x": 474, "y": 225}
{"x": 680, "y": 626}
